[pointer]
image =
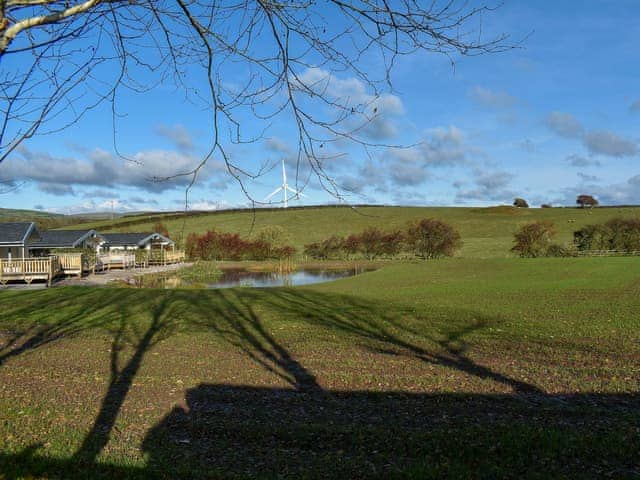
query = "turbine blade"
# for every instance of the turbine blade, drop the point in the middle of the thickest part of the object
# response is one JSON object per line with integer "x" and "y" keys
{"x": 284, "y": 174}
{"x": 296, "y": 192}
{"x": 273, "y": 193}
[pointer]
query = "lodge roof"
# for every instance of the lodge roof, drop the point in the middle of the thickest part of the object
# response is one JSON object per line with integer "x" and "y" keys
{"x": 15, "y": 233}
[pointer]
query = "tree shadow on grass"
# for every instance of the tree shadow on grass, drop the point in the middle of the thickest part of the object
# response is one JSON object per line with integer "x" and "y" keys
{"x": 127, "y": 316}
{"x": 394, "y": 330}
{"x": 308, "y": 431}
{"x": 36, "y": 319}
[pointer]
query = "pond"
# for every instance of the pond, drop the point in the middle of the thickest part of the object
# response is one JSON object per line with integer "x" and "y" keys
{"x": 244, "y": 278}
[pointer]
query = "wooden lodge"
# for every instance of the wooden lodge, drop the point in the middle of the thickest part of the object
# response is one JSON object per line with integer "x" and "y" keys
{"x": 28, "y": 255}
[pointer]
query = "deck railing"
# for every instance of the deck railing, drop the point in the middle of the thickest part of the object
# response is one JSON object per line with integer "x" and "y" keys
{"x": 77, "y": 263}
{"x": 29, "y": 269}
{"x": 164, "y": 257}
{"x": 107, "y": 261}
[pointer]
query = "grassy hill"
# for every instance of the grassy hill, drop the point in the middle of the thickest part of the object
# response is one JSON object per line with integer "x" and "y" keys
{"x": 486, "y": 232}
{"x": 13, "y": 215}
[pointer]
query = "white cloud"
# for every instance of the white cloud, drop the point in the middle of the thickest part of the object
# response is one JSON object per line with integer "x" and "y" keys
{"x": 608, "y": 143}
{"x": 369, "y": 115}
{"x": 178, "y": 135}
{"x": 492, "y": 99}
{"x": 153, "y": 170}
{"x": 564, "y": 124}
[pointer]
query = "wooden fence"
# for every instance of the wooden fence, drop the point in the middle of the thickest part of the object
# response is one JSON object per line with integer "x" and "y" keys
{"x": 30, "y": 269}
{"x": 77, "y": 263}
{"x": 608, "y": 253}
{"x": 115, "y": 259}
{"x": 165, "y": 257}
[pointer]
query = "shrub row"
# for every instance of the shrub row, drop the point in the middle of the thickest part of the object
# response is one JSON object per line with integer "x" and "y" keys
{"x": 427, "y": 238}
{"x": 213, "y": 245}
{"x": 622, "y": 234}
{"x": 535, "y": 239}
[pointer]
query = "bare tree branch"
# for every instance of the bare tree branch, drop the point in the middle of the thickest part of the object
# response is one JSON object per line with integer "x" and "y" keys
{"x": 60, "y": 59}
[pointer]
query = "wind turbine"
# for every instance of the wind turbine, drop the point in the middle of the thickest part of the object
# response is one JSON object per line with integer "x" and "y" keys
{"x": 285, "y": 188}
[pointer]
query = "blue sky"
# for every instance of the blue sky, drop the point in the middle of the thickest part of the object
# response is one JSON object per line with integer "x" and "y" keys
{"x": 554, "y": 118}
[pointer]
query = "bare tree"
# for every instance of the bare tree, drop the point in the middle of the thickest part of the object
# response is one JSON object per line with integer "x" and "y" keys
{"x": 61, "y": 58}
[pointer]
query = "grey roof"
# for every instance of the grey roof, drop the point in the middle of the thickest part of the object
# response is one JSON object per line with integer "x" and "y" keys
{"x": 63, "y": 238}
{"x": 15, "y": 232}
{"x": 127, "y": 239}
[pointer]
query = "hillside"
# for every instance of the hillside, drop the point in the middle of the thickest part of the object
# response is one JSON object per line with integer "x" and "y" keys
{"x": 486, "y": 232}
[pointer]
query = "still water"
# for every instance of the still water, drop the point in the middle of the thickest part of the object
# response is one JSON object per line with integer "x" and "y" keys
{"x": 244, "y": 278}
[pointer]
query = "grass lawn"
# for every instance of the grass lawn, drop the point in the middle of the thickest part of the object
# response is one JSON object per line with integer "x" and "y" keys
{"x": 486, "y": 232}
{"x": 461, "y": 368}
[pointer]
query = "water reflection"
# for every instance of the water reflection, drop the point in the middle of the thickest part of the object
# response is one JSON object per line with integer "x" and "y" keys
{"x": 244, "y": 278}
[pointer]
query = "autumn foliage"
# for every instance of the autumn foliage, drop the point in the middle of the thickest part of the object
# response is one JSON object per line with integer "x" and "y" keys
{"x": 213, "y": 245}
{"x": 428, "y": 238}
{"x": 535, "y": 239}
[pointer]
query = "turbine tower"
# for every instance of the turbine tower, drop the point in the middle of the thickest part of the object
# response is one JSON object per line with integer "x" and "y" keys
{"x": 285, "y": 188}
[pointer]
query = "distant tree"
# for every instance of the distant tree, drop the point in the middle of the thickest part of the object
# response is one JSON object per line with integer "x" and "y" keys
{"x": 534, "y": 239}
{"x": 587, "y": 201}
{"x": 545, "y": 205}
{"x": 432, "y": 238}
{"x": 520, "y": 203}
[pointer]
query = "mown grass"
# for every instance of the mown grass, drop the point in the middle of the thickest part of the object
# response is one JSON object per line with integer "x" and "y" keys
{"x": 458, "y": 368}
{"x": 486, "y": 232}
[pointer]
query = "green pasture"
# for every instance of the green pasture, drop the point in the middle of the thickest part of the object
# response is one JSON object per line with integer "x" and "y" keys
{"x": 460, "y": 368}
{"x": 486, "y": 232}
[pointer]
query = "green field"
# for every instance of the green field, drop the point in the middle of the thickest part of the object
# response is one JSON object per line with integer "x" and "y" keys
{"x": 460, "y": 368}
{"x": 486, "y": 232}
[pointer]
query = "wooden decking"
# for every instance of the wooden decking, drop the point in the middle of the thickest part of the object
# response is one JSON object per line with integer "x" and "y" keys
{"x": 30, "y": 269}
{"x": 49, "y": 268}
{"x": 137, "y": 258}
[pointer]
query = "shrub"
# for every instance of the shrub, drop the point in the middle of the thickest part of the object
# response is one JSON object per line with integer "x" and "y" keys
{"x": 191, "y": 246}
{"x": 592, "y": 237}
{"x": 534, "y": 239}
{"x": 274, "y": 236}
{"x": 352, "y": 245}
{"x": 520, "y": 203}
{"x": 432, "y": 238}
{"x": 284, "y": 252}
{"x": 314, "y": 250}
{"x": 557, "y": 250}
{"x": 332, "y": 247}
{"x": 392, "y": 243}
{"x": 625, "y": 234}
{"x": 329, "y": 248}
{"x": 371, "y": 242}
{"x": 621, "y": 234}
